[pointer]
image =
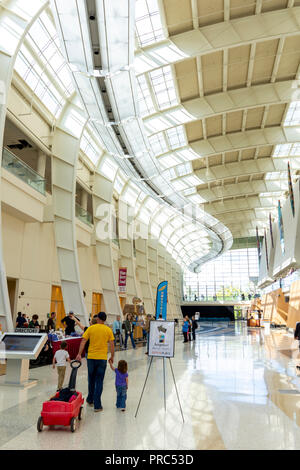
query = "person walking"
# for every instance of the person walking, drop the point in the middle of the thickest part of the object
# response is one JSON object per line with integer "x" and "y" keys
{"x": 129, "y": 331}
{"x": 61, "y": 358}
{"x": 117, "y": 330}
{"x": 99, "y": 336}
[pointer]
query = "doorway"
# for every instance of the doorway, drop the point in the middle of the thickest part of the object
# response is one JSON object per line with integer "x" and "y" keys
{"x": 57, "y": 305}
{"x": 12, "y": 293}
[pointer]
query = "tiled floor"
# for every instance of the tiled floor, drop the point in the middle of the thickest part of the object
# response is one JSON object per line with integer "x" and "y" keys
{"x": 238, "y": 388}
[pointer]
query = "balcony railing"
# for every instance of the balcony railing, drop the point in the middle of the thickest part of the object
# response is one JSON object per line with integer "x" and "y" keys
{"x": 84, "y": 215}
{"x": 19, "y": 168}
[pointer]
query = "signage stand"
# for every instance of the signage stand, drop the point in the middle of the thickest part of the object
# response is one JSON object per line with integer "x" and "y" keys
{"x": 161, "y": 344}
{"x": 164, "y": 387}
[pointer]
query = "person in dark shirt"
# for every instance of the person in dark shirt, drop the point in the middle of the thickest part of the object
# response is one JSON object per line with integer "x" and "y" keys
{"x": 51, "y": 324}
{"x": 194, "y": 327}
{"x": 20, "y": 320}
{"x": 34, "y": 322}
{"x": 70, "y": 322}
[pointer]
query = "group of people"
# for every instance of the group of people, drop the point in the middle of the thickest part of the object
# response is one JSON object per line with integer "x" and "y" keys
{"x": 128, "y": 326}
{"x": 189, "y": 328}
{"x": 23, "y": 321}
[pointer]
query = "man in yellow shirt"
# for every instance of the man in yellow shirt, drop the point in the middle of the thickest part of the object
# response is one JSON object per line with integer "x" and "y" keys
{"x": 99, "y": 336}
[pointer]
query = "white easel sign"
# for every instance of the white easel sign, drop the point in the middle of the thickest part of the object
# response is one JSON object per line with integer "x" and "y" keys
{"x": 162, "y": 339}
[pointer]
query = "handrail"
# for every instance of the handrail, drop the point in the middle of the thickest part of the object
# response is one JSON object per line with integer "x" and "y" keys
{"x": 12, "y": 163}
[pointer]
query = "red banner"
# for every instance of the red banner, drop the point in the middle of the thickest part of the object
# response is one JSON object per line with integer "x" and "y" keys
{"x": 122, "y": 279}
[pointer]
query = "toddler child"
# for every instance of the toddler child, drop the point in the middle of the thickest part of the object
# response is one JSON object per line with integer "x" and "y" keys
{"x": 61, "y": 357}
{"x": 121, "y": 384}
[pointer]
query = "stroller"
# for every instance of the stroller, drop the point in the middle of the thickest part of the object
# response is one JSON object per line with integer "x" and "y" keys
{"x": 65, "y": 407}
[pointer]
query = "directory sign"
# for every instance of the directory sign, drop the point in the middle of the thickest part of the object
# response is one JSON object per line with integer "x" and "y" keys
{"x": 162, "y": 338}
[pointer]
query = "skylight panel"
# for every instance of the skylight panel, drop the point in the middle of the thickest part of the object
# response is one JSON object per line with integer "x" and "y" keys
{"x": 179, "y": 185}
{"x": 293, "y": 115}
{"x": 145, "y": 215}
{"x": 184, "y": 169}
{"x": 148, "y": 22}
{"x": 197, "y": 199}
{"x": 144, "y": 97}
{"x": 169, "y": 160}
{"x": 156, "y": 124}
{"x": 130, "y": 196}
{"x": 151, "y": 204}
{"x": 188, "y": 154}
{"x": 282, "y": 150}
{"x": 295, "y": 150}
{"x": 119, "y": 184}
{"x": 192, "y": 180}
{"x": 143, "y": 64}
{"x": 176, "y": 137}
{"x": 155, "y": 230}
{"x": 90, "y": 148}
{"x": 158, "y": 144}
{"x": 180, "y": 116}
{"x": 163, "y": 87}
{"x": 168, "y": 53}
{"x": 108, "y": 168}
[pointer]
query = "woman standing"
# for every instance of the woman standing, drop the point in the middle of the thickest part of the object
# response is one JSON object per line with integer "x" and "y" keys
{"x": 128, "y": 331}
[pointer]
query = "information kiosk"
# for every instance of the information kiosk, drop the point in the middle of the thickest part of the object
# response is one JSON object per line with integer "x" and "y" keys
{"x": 18, "y": 349}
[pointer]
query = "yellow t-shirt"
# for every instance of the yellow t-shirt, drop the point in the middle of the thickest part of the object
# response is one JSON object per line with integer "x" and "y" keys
{"x": 99, "y": 337}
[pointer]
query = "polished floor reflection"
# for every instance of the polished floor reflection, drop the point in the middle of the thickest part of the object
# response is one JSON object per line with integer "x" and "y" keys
{"x": 238, "y": 387}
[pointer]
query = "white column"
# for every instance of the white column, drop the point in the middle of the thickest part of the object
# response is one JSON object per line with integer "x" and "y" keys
{"x": 102, "y": 206}
{"x": 41, "y": 164}
{"x": 10, "y": 42}
{"x": 65, "y": 150}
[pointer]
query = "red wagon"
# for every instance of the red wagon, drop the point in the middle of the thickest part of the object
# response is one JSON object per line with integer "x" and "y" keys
{"x": 64, "y": 413}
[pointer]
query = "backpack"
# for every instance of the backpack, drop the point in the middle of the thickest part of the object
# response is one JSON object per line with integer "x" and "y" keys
{"x": 64, "y": 395}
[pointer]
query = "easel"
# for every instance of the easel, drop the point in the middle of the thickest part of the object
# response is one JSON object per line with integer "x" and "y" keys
{"x": 164, "y": 375}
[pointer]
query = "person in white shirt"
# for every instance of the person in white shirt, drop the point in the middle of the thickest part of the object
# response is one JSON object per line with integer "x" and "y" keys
{"x": 61, "y": 357}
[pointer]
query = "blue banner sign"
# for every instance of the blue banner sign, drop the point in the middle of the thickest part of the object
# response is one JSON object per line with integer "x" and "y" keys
{"x": 162, "y": 301}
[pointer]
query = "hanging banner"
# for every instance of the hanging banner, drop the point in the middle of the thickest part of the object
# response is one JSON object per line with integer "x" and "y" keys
{"x": 122, "y": 279}
{"x": 258, "y": 245}
{"x": 162, "y": 300}
{"x": 291, "y": 192}
{"x": 281, "y": 232}
{"x": 266, "y": 247}
{"x": 271, "y": 229}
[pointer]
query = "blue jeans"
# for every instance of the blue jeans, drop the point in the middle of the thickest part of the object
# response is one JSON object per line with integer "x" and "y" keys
{"x": 96, "y": 373}
{"x": 121, "y": 397}
{"x": 131, "y": 337}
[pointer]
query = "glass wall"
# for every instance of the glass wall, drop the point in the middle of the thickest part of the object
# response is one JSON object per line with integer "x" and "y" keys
{"x": 232, "y": 276}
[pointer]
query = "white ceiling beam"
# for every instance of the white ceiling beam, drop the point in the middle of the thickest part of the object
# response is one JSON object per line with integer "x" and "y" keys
{"x": 225, "y": 69}
{"x": 200, "y": 76}
{"x": 195, "y": 14}
{"x": 277, "y": 59}
{"x": 226, "y": 10}
{"x": 258, "y": 7}
{"x": 251, "y": 64}
{"x": 264, "y": 118}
